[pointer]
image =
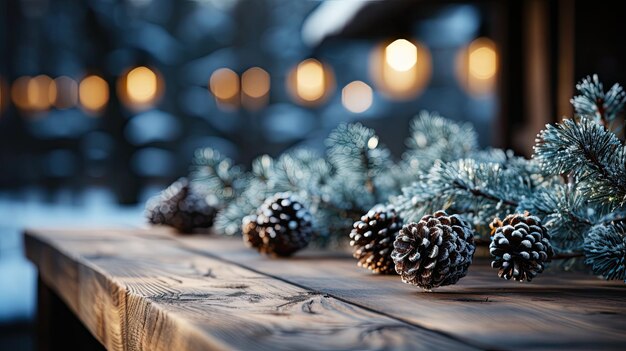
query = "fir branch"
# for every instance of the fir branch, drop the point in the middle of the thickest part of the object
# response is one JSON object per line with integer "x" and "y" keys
{"x": 566, "y": 214}
{"x": 355, "y": 152}
{"x": 595, "y": 104}
{"x": 590, "y": 153}
{"x": 434, "y": 138}
{"x": 482, "y": 190}
{"x": 217, "y": 177}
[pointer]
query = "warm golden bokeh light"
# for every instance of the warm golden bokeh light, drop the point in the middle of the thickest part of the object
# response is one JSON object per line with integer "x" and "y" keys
{"x": 310, "y": 80}
{"x": 255, "y": 82}
{"x": 142, "y": 85}
{"x": 224, "y": 84}
{"x": 65, "y": 93}
{"x": 37, "y": 92}
{"x": 357, "y": 96}
{"x": 482, "y": 62}
{"x": 401, "y": 69}
{"x": 93, "y": 93}
{"x": 401, "y": 55}
{"x": 477, "y": 66}
{"x": 19, "y": 92}
{"x": 52, "y": 92}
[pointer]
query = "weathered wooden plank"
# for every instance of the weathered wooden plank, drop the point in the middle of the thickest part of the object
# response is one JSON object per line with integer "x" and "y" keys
{"x": 563, "y": 310}
{"x": 139, "y": 291}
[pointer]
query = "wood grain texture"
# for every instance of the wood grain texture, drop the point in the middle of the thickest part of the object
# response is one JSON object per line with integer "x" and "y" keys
{"x": 142, "y": 290}
{"x": 558, "y": 310}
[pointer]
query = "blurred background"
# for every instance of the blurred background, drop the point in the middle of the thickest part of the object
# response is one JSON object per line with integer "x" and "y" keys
{"x": 102, "y": 102}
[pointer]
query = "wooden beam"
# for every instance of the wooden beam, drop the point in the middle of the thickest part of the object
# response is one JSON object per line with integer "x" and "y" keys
{"x": 561, "y": 310}
{"x": 137, "y": 290}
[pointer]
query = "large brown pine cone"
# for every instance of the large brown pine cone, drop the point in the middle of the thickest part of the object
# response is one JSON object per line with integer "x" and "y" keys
{"x": 435, "y": 251}
{"x": 372, "y": 238}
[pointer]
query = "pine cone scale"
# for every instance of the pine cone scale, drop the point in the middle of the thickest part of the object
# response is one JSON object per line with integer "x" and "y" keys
{"x": 372, "y": 238}
{"x": 280, "y": 227}
{"x": 434, "y": 252}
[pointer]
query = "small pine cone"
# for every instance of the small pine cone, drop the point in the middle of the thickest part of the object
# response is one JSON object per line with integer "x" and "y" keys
{"x": 373, "y": 236}
{"x": 520, "y": 247}
{"x": 434, "y": 252}
{"x": 280, "y": 227}
{"x": 178, "y": 207}
{"x": 605, "y": 250}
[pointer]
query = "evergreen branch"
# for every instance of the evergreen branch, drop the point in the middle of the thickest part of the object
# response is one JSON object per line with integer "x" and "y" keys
{"x": 354, "y": 151}
{"x": 565, "y": 212}
{"x": 215, "y": 176}
{"x": 595, "y": 104}
{"x": 587, "y": 151}
{"x": 434, "y": 138}
{"x": 478, "y": 189}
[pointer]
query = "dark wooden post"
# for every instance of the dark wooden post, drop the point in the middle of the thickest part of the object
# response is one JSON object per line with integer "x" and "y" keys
{"x": 57, "y": 327}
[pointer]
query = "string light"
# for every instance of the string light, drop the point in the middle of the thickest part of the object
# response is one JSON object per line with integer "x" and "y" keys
{"x": 477, "y": 67}
{"x": 357, "y": 96}
{"x": 18, "y": 92}
{"x": 93, "y": 93}
{"x": 141, "y": 84}
{"x": 37, "y": 91}
{"x": 140, "y": 88}
{"x": 400, "y": 69}
{"x": 255, "y": 82}
{"x": 224, "y": 84}
{"x": 401, "y": 55}
{"x": 310, "y": 82}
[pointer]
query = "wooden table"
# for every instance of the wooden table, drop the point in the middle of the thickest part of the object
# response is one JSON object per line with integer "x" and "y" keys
{"x": 151, "y": 290}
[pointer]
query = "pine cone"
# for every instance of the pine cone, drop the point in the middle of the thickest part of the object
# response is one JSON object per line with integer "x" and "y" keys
{"x": 281, "y": 226}
{"x": 434, "y": 252}
{"x": 373, "y": 236}
{"x": 178, "y": 207}
{"x": 605, "y": 250}
{"x": 520, "y": 247}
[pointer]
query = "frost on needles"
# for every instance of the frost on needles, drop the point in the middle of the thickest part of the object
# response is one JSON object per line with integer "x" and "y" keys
{"x": 575, "y": 182}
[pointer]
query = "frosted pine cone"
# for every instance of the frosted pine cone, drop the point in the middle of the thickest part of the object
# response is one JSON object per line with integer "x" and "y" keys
{"x": 280, "y": 227}
{"x": 520, "y": 247}
{"x": 178, "y": 207}
{"x": 435, "y": 251}
{"x": 372, "y": 238}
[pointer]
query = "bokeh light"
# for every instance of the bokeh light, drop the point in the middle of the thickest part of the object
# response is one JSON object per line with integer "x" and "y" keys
{"x": 255, "y": 82}
{"x": 37, "y": 92}
{"x": 255, "y": 86}
{"x": 141, "y": 85}
{"x": 357, "y": 96}
{"x": 19, "y": 92}
{"x": 310, "y": 82}
{"x": 482, "y": 62}
{"x": 401, "y": 55}
{"x": 140, "y": 88}
{"x": 224, "y": 84}
{"x": 477, "y": 67}
{"x": 93, "y": 93}
{"x": 400, "y": 69}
